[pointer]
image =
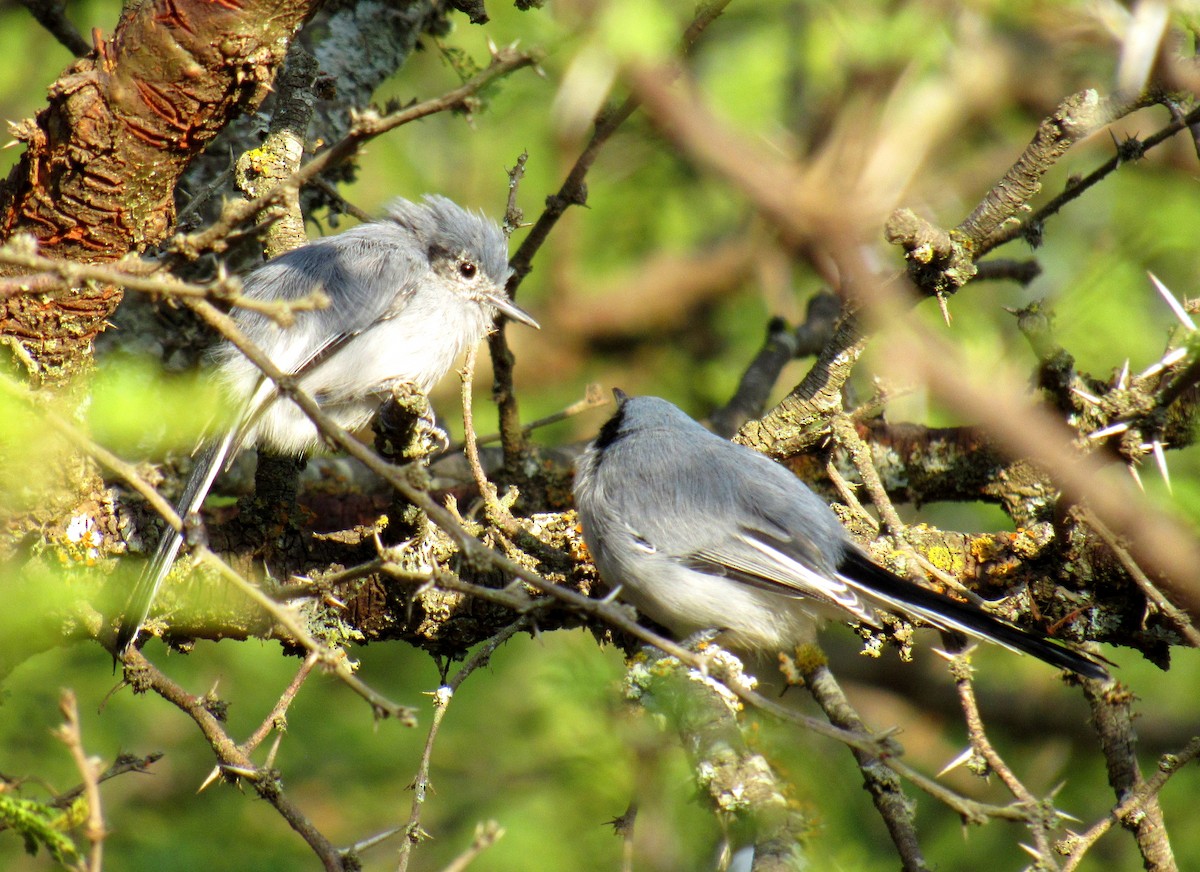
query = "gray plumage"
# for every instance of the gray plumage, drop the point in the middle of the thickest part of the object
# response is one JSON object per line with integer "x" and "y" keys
{"x": 407, "y": 295}
{"x": 702, "y": 534}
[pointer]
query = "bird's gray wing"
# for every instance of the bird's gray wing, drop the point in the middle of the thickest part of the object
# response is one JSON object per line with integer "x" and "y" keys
{"x": 356, "y": 264}
{"x": 761, "y": 554}
{"x": 360, "y": 267}
{"x": 757, "y": 524}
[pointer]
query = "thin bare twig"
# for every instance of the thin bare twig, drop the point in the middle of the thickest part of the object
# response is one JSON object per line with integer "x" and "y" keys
{"x": 886, "y": 750}
{"x": 860, "y": 455}
{"x": 138, "y": 276}
{"x": 364, "y": 127}
{"x": 1181, "y": 621}
{"x": 441, "y": 701}
{"x": 1128, "y": 807}
{"x": 486, "y": 835}
{"x": 278, "y": 714}
{"x": 896, "y": 809}
{"x": 89, "y": 769}
{"x": 594, "y": 396}
{"x": 572, "y": 192}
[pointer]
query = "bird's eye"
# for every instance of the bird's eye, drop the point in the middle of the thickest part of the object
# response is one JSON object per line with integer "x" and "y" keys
{"x": 467, "y": 270}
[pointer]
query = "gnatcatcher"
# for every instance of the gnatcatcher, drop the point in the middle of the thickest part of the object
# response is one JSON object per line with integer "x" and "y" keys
{"x": 407, "y": 295}
{"x": 703, "y": 534}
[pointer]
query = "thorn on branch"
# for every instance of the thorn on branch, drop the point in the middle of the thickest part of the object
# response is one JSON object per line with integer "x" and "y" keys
{"x": 939, "y": 262}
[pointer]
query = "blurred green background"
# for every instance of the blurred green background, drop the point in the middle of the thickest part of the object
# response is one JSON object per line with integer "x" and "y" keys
{"x": 540, "y": 741}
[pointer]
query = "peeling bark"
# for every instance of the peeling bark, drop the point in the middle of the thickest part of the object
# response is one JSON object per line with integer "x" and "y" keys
{"x": 98, "y": 176}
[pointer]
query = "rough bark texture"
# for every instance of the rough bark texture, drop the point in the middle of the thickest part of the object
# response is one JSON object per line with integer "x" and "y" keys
{"x": 800, "y": 420}
{"x": 98, "y": 177}
{"x": 97, "y": 182}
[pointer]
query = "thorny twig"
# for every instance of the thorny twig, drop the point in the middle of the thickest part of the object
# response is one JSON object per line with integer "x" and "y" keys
{"x": 1076, "y": 117}
{"x": 886, "y": 750}
{"x": 1039, "y": 824}
{"x": 1130, "y": 148}
{"x": 276, "y": 719}
{"x": 233, "y": 759}
{"x": 124, "y": 763}
{"x": 441, "y": 701}
{"x": 607, "y": 612}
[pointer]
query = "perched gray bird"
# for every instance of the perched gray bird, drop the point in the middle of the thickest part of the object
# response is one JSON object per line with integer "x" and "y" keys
{"x": 407, "y": 295}
{"x": 702, "y": 534}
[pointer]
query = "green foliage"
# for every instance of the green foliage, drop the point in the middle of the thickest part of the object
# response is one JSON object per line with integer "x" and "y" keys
{"x": 41, "y": 826}
{"x": 540, "y": 740}
{"x": 129, "y": 392}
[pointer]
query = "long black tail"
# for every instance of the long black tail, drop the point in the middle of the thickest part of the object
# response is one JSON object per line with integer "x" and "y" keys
{"x": 209, "y": 460}
{"x": 949, "y": 614}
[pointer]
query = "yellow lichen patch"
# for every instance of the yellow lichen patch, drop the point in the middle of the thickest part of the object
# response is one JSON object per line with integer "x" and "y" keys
{"x": 945, "y": 559}
{"x": 986, "y": 549}
{"x": 809, "y": 657}
{"x": 79, "y": 543}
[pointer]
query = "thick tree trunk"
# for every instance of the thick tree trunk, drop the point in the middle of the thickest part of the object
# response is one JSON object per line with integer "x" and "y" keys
{"x": 97, "y": 180}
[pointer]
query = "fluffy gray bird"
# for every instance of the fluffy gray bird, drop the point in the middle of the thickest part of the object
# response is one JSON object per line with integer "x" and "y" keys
{"x": 407, "y": 295}
{"x": 702, "y": 534}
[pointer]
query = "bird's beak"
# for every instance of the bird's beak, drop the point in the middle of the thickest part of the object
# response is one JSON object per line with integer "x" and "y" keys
{"x": 509, "y": 309}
